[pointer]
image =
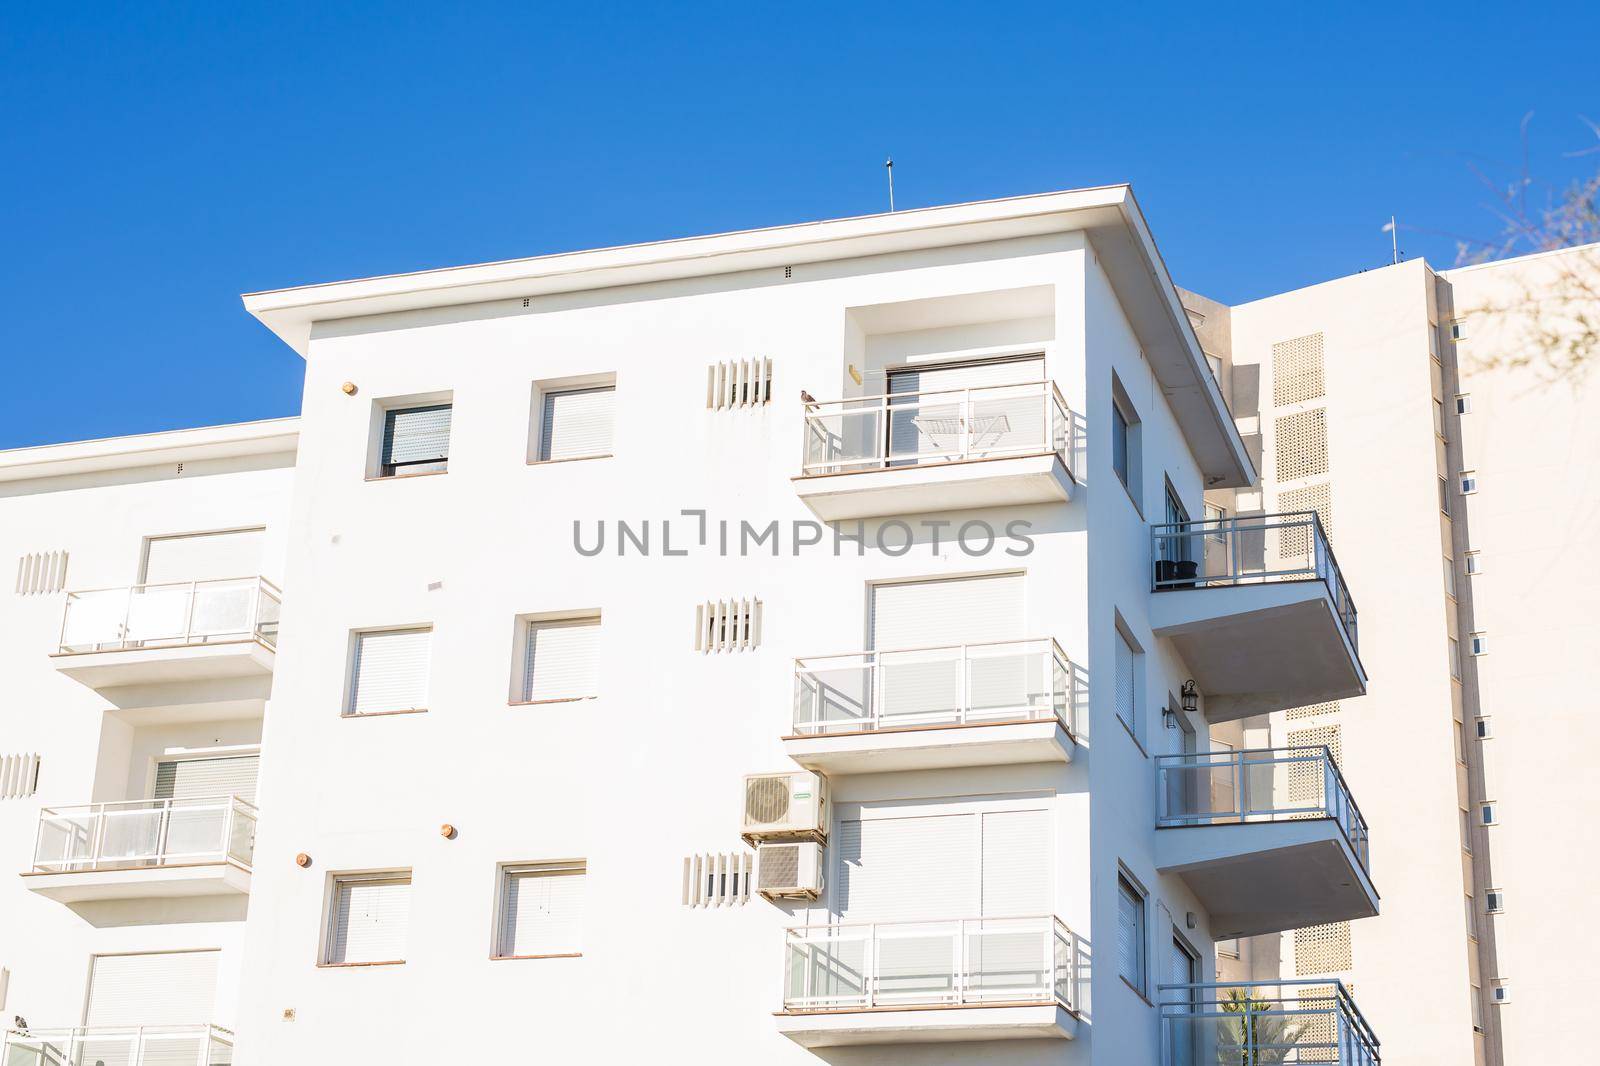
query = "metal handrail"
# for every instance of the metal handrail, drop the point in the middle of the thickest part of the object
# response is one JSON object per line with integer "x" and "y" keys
{"x": 1283, "y": 1000}
{"x": 67, "y": 1045}
{"x": 1052, "y": 975}
{"x": 119, "y": 632}
{"x": 93, "y": 819}
{"x": 822, "y": 452}
{"x": 1057, "y": 699}
{"x": 1336, "y": 802}
{"x": 1184, "y": 542}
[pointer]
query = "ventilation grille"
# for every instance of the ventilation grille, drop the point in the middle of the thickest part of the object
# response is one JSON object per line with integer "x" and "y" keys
{"x": 738, "y": 383}
{"x": 19, "y": 776}
{"x": 780, "y": 867}
{"x": 1320, "y": 949}
{"x": 1297, "y": 370}
{"x": 727, "y": 625}
{"x": 717, "y": 879}
{"x": 1315, "y": 710}
{"x": 1300, "y": 444}
{"x": 1296, "y": 543}
{"x": 41, "y": 572}
{"x": 1306, "y": 778}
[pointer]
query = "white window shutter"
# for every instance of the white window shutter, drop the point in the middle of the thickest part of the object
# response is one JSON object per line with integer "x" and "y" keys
{"x": 917, "y": 868}
{"x": 967, "y": 610}
{"x": 577, "y": 424}
{"x": 542, "y": 910}
{"x": 416, "y": 434}
{"x": 371, "y": 917}
{"x": 562, "y": 660}
{"x": 1125, "y": 688}
{"x": 203, "y": 557}
{"x": 1016, "y": 863}
{"x": 154, "y": 989}
{"x": 1130, "y": 935}
{"x": 390, "y": 672}
{"x": 184, "y": 779}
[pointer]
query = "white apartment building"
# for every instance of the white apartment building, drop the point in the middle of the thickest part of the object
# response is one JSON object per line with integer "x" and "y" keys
{"x": 801, "y": 644}
{"x": 1425, "y": 418}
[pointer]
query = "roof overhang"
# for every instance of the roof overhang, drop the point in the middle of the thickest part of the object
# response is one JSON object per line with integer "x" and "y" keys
{"x": 151, "y": 449}
{"x": 1108, "y": 214}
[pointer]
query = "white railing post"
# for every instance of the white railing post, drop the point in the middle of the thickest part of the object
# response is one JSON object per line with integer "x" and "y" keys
{"x": 964, "y": 707}
{"x": 964, "y": 424}
{"x": 188, "y": 615}
{"x": 869, "y": 967}
{"x": 163, "y": 829}
{"x": 875, "y": 689}
{"x": 958, "y": 957}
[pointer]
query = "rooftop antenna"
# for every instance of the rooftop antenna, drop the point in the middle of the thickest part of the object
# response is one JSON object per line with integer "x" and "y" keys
{"x": 1393, "y": 231}
{"x": 888, "y": 164}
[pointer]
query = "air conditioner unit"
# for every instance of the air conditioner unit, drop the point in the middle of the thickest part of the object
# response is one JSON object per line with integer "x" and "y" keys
{"x": 785, "y": 806}
{"x": 790, "y": 870}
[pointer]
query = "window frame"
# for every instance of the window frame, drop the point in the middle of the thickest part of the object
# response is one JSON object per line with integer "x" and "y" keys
{"x": 1488, "y": 814}
{"x": 1129, "y": 886}
{"x": 1463, "y": 403}
{"x": 337, "y": 883}
{"x": 1132, "y": 473}
{"x": 505, "y": 873}
{"x": 1467, "y": 483}
{"x": 1483, "y": 729}
{"x": 352, "y": 657}
{"x": 1478, "y": 643}
{"x": 1494, "y": 901}
{"x": 519, "y": 694}
{"x": 1120, "y": 631}
{"x": 376, "y": 467}
{"x": 546, "y": 388}
{"x": 1472, "y": 562}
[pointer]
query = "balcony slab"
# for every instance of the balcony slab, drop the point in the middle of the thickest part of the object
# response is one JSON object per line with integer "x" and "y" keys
{"x": 928, "y": 1025}
{"x": 1266, "y": 877}
{"x": 952, "y": 486}
{"x": 167, "y": 664}
{"x": 933, "y": 747}
{"x": 1259, "y": 648}
{"x": 149, "y": 882}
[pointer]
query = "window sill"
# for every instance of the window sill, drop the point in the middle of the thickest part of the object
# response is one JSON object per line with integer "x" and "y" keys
{"x": 1142, "y": 997}
{"x": 569, "y": 459}
{"x": 541, "y": 703}
{"x": 358, "y": 965}
{"x": 1128, "y": 729}
{"x": 553, "y": 955}
{"x": 384, "y": 714}
{"x": 406, "y": 477}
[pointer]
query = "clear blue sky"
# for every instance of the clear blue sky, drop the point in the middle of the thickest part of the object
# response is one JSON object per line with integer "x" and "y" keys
{"x": 159, "y": 160}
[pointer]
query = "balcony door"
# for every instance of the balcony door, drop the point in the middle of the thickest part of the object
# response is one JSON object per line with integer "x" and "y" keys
{"x": 163, "y": 610}
{"x": 936, "y": 660}
{"x": 930, "y": 421}
{"x": 152, "y": 989}
{"x": 191, "y": 779}
{"x": 1182, "y": 969}
{"x": 203, "y": 556}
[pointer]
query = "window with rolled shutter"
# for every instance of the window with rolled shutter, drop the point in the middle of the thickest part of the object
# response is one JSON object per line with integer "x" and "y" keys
{"x": 416, "y": 440}
{"x": 370, "y": 918}
{"x": 186, "y": 779}
{"x": 963, "y": 610}
{"x": 390, "y": 671}
{"x": 577, "y": 423}
{"x": 152, "y": 989}
{"x": 203, "y": 556}
{"x": 541, "y": 910}
{"x": 1130, "y": 933}
{"x": 1127, "y": 662}
{"x": 561, "y": 660}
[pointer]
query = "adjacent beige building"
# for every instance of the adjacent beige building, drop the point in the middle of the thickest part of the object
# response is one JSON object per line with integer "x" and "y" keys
{"x": 1438, "y": 424}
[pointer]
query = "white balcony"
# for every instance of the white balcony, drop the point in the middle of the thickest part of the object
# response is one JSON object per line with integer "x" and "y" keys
{"x": 1267, "y": 839}
{"x": 930, "y": 982}
{"x": 1259, "y": 610}
{"x": 144, "y": 849}
{"x": 944, "y": 450}
{"x": 1270, "y": 1022}
{"x": 932, "y": 708}
{"x": 156, "y": 1045}
{"x": 160, "y": 634}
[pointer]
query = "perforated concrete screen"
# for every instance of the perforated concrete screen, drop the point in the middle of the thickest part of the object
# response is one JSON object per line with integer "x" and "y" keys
{"x": 1306, "y": 778}
{"x": 1297, "y": 542}
{"x": 1315, "y": 710}
{"x": 1320, "y": 949}
{"x": 1297, "y": 370}
{"x": 1300, "y": 445}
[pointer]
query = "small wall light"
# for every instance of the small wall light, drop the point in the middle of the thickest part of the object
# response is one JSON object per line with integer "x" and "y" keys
{"x": 447, "y": 831}
{"x": 348, "y": 388}
{"x": 302, "y": 860}
{"x": 1191, "y": 697}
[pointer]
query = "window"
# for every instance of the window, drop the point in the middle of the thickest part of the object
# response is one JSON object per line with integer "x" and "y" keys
{"x": 1461, "y": 742}
{"x": 541, "y": 911}
{"x": 1128, "y": 663}
{"x": 1458, "y": 330}
{"x": 1119, "y": 443}
{"x": 1438, "y": 418}
{"x": 1477, "y": 1009}
{"x": 1487, "y": 813}
{"x": 1130, "y": 933}
{"x": 1469, "y": 482}
{"x": 1450, "y": 576}
{"x": 1466, "y": 830}
{"x": 416, "y": 440}
{"x": 1463, "y": 403}
{"x": 1444, "y": 495}
{"x": 1494, "y": 901}
{"x": 1215, "y": 363}
{"x": 1125, "y": 443}
{"x": 1500, "y": 991}
{"x": 577, "y": 423}
{"x": 1228, "y": 949}
{"x": 1485, "y": 730}
{"x": 1455, "y": 658}
{"x": 368, "y": 919}
{"x": 389, "y": 671}
{"x": 1472, "y": 917}
{"x": 1480, "y": 644}
{"x": 1473, "y": 561}
{"x": 560, "y": 659}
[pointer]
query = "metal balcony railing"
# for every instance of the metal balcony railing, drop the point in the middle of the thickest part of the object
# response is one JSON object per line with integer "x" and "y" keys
{"x": 961, "y": 962}
{"x": 1294, "y": 1023}
{"x": 155, "y": 1045}
{"x": 957, "y": 684}
{"x": 143, "y": 834}
{"x": 171, "y": 615}
{"x": 1250, "y": 550}
{"x": 1257, "y": 785}
{"x": 936, "y": 426}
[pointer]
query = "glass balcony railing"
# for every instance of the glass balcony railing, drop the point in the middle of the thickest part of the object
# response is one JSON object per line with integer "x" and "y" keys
{"x": 142, "y": 834}
{"x": 1258, "y": 785}
{"x": 1250, "y": 550}
{"x": 171, "y": 615}
{"x": 939, "y": 426}
{"x": 958, "y": 684}
{"x": 166, "y": 1045}
{"x": 963, "y": 962}
{"x": 1289, "y": 1022}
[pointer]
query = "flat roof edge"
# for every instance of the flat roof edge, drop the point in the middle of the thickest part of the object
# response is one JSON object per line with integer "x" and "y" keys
{"x": 262, "y": 437}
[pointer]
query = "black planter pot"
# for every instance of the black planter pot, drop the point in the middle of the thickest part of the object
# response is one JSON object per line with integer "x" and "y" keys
{"x": 1176, "y": 573}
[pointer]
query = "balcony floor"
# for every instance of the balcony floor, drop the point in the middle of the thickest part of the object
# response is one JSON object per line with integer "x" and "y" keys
{"x": 953, "y": 486}
{"x": 933, "y": 747}
{"x": 1266, "y": 877}
{"x": 928, "y": 1025}
{"x": 146, "y": 882}
{"x": 1259, "y": 648}
{"x": 165, "y": 664}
